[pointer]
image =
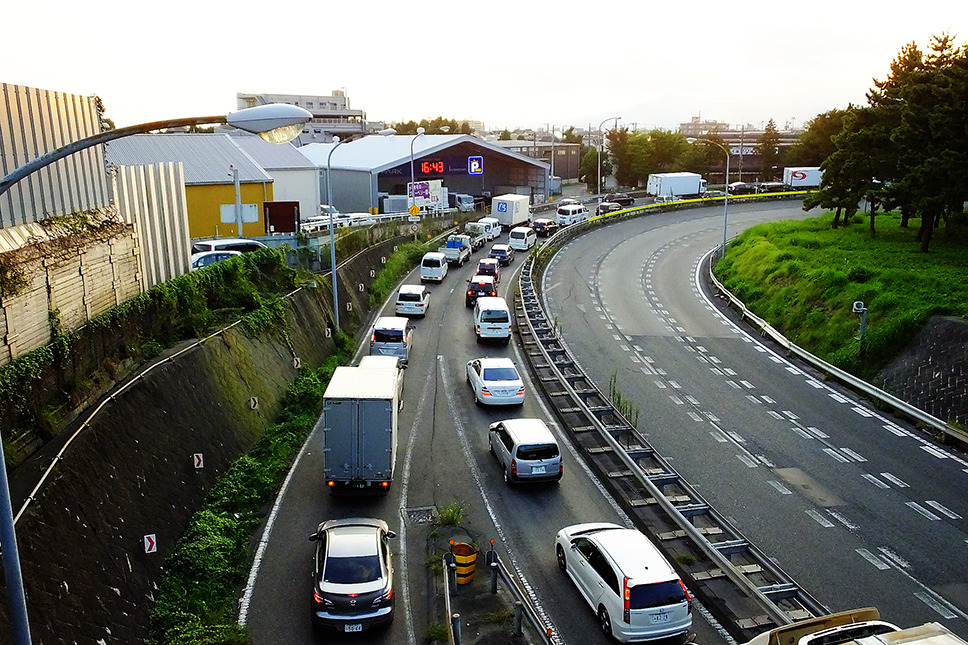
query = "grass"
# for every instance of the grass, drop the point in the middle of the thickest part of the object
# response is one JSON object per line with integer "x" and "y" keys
{"x": 803, "y": 277}
{"x": 451, "y": 515}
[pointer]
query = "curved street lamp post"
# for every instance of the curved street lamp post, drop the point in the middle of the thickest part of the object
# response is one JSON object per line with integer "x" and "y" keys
{"x": 601, "y": 144}
{"x": 725, "y": 185}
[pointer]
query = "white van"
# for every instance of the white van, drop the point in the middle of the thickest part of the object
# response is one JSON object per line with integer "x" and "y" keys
{"x": 241, "y": 244}
{"x": 526, "y": 450}
{"x": 433, "y": 267}
{"x": 522, "y": 238}
{"x": 492, "y": 319}
{"x": 412, "y": 300}
{"x": 391, "y": 336}
{"x": 568, "y": 214}
{"x": 492, "y": 227}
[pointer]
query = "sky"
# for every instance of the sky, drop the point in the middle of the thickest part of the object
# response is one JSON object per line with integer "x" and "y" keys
{"x": 510, "y": 64}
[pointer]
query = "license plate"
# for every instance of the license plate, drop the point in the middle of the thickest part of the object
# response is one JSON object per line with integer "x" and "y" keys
{"x": 538, "y": 470}
{"x": 660, "y": 618}
{"x": 353, "y": 627}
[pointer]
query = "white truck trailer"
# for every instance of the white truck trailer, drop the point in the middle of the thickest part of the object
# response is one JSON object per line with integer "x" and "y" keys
{"x": 802, "y": 177}
{"x": 360, "y": 408}
{"x": 511, "y": 210}
{"x": 675, "y": 185}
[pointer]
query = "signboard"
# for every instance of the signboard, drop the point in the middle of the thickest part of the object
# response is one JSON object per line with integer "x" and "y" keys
{"x": 475, "y": 165}
{"x": 151, "y": 544}
{"x": 426, "y": 194}
{"x": 250, "y": 213}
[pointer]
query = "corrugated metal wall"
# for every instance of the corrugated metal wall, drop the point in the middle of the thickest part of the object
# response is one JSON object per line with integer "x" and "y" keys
{"x": 153, "y": 199}
{"x": 32, "y": 123}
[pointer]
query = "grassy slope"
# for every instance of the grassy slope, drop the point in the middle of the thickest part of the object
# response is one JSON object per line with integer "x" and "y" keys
{"x": 803, "y": 276}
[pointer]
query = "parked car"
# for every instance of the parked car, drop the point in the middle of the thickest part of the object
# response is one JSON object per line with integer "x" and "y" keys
{"x": 478, "y": 286}
{"x": 608, "y": 207}
{"x": 495, "y": 381}
{"x": 491, "y": 267}
{"x": 502, "y": 253}
{"x": 619, "y": 198}
{"x": 353, "y": 575}
{"x": 544, "y": 227}
{"x": 631, "y": 587}
{"x": 206, "y": 258}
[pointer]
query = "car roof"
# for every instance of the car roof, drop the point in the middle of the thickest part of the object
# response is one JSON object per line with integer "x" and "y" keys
{"x": 500, "y": 247}
{"x": 635, "y": 556}
{"x": 390, "y": 322}
{"x": 483, "y": 279}
{"x": 433, "y": 254}
{"x": 496, "y": 361}
{"x": 528, "y": 430}
{"x": 352, "y": 540}
{"x": 202, "y": 254}
{"x": 489, "y": 261}
{"x": 492, "y": 302}
{"x": 412, "y": 288}
{"x": 544, "y": 220}
{"x": 230, "y": 240}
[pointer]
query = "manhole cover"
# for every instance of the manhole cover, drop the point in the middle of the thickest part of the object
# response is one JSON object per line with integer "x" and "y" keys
{"x": 421, "y": 515}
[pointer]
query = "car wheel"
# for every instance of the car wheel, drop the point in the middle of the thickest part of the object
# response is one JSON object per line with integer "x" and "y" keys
{"x": 478, "y": 340}
{"x": 507, "y": 339}
{"x": 562, "y": 562}
{"x": 604, "y": 622}
{"x": 477, "y": 401}
{"x": 507, "y": 478}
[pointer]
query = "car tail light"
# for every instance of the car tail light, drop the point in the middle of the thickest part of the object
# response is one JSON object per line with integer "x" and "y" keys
{"x": 470, "y": 293}
{"x": 478, "y": 329}
{"x": 521, "y": 391}
{"x": 514, "y": 466}
{"x": 331, "y": 483}
{"x": 688, "y": 597}
{"x": 626, "y": 601}
{"x": 494, "y": 293}
{"x": 485, "y": 392}
{"x": 385, "y": 484}
{"x": 373, "y": 338}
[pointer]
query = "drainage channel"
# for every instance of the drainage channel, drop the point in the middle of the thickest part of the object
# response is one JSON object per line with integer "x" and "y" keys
{"x": 739, "y": 584}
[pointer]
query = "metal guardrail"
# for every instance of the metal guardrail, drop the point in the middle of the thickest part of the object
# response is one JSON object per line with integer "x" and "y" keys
{"x": 740, "y": 584}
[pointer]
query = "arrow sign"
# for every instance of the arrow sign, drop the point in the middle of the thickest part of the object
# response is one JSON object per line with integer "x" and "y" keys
{"x": 151, "y": 545}
{"x": 199, "y": 460}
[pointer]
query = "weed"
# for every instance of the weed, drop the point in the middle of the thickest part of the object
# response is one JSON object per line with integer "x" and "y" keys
{"x": 451, "y": 515}
{"x": 437, "y": 633}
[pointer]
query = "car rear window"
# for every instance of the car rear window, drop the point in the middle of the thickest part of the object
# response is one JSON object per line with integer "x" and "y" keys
{"x": 500, "y": 374}
{"x": 494, "y": 315}
{"x": 387, "y": 336}
{"x": 432, "y": 263}
{"x": 658, "y": 594}
{"x": 538, "y": 451}
{"x": 352, "y": 570}
{"x": 517, "y": 235}
{"x": 409, "y": 297}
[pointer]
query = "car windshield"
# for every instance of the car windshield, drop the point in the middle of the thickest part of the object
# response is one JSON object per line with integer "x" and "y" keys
{"x": 352, "y": 570}
{"x": 500, "y": 374}
{"x": 387, "y": 336}
{"x": 538, "y": 451}
{"x": 658, "y": 594}
{"x": 494, "y": 315}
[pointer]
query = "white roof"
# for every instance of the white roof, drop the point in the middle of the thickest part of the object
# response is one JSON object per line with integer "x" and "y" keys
{"x": 271, "y": 156}
{"x": 377, "y": 153}
{"x": 362, "y": 383}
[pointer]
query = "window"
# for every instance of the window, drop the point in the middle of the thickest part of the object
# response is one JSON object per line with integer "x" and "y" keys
{"x": 494, "y": 315}
{"x": 658, "y": 594}
{"x": 353, "y": 570}
{"x": 539, "y": 451}
{"x": 387, "y": 336}
{"x": 604, "y": 569}
{"x": 500, "y": 374}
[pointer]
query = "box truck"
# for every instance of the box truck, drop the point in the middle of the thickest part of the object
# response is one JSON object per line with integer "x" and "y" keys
{"x": 463, "y": 202}
{"x": 802, "y": 177}
{"x": 511, "y": 210}
{"x": 676, "y": 185}
{"x": 360, "y": 429}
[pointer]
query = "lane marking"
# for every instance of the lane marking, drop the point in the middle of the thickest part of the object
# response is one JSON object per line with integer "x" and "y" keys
{"x": 897, "y": 481}
{"x": 941, "y": 509}
{"x": 922, "y": 510}
{"x": 874, "y": 480}
{"x": 873, "y": 559}
{"x": 820, "y": 519}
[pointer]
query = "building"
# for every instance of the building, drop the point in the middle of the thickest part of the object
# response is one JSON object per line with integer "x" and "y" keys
{"x": 332, "y": 115}
{"x": 564, "y": 159}
{"x": 745, "y": 161}
{"x": 367, "y": 169}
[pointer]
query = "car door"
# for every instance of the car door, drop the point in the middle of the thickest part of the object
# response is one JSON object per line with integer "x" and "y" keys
{"x": 474, "y": 376}
{"x": 580, "y": 569}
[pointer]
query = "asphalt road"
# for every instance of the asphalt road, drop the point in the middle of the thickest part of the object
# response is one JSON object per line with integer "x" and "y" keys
{"x": 859, "y": 508}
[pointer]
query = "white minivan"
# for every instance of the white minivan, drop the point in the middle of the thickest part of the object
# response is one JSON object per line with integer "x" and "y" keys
{"x": 492, "y": 227}
{"x": 492, "y": 319}
{"x": 568, "y": 214}
{"x": 522, "y": 238}
{"x": 433, "y": 267}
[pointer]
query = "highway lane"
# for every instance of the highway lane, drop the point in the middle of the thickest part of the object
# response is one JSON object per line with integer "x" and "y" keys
{"x": 855, "y": 506}
{"x": 442, "y": 457}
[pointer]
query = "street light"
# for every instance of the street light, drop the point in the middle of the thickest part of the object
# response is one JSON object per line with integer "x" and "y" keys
{"x": 410, "y": 196}
{"x": 601, "y": 144}
{"x": 725, "y": 185}
{"x": 276, "y": 123}
{"x": 332, "y": 235}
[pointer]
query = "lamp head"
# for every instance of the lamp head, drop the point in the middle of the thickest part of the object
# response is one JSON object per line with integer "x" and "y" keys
{"x": 275, "y": 122}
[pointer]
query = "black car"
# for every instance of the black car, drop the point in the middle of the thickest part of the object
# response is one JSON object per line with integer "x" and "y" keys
{"x": 479, "y": 285}
{"x": 353, "y": 579}
{"x": 491, "y": 267}
{"x": 619, "y": 198}
{"x": 502, "y": 253}
{"x": 543, "y": 227}
{"x": 741, "y": 188}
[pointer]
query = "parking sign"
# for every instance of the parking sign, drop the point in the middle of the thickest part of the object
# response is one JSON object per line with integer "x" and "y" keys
{"x": 475, "y": 165}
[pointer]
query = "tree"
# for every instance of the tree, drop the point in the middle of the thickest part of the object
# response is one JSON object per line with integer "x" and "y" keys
{"x": 655, "y": 151}
{"x": 590, "y": 167}
{"x": 768, "y": 146}
{"x": 618, "y": 149}
{"x": 569, "y": 136}
{"x": 505, "y": 136}
{"x": 816, "y": 142}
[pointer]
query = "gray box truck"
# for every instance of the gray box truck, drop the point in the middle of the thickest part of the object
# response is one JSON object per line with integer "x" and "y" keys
{"x": 360, "y": 429}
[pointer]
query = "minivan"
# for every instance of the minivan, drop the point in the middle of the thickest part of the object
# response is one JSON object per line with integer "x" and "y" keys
{"x": 412, "y": 299}
{"x": 492, "y": 319}
{"x": 633, "y": 590}
{"x": 243, "y": 245}
{"x": 492, "y": 227}
{"x": 522, "y": 238}
{"x": 526, "y": 450}
{"x": 391, "y": 336}
{"x": 433, "y": 267}
{"x": 569, "y": 214}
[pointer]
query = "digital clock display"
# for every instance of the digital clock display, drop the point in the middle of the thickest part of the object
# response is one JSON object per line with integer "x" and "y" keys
{"x": 429, "y": 167}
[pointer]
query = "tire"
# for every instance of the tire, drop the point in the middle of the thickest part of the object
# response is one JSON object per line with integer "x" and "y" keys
{"x": 477, "y": 401}
{"x": 479, "y": 341}
{"x": 507, "y": 339}
{"x": 560, "y": 555}
{"x": 507, "y": 478}
{"x": 605, "y": 623}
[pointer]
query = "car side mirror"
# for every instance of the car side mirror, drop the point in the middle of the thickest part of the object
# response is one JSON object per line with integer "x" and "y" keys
{"x": 314, "y": 537}
{"x": 391, "y": 534}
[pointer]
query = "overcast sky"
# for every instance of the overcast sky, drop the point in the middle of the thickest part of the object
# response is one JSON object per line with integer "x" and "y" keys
{"x": 523, "y": 63}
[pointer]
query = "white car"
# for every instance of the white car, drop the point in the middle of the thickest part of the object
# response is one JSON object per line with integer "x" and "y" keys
{"x": 206, "y": 258}
{"x": 495, "y": 381}
{"x": 631, "y": 587}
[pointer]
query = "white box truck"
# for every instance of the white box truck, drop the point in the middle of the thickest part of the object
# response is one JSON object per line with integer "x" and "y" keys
{"x": 676, "y": 185}
{"x": 511, "y": 210}
{"x": 360, "y": 407}
{"x": 802, "y": 177}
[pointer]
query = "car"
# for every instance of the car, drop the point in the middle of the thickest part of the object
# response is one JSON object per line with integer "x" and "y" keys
{"x": 491, "y": 267}
{"x": 568, "y": 200}
{"x": 544, "y": 227}
{"x": 205, "y": 258}
{"x": 412, "y": 299}
{"x": 478, "y": 286}
{"x": 495, "y": 381}
{"x": 391, "y": 336}
{"x": 633, "y": 590}
{"x": 741, "y": 188}
{"x": 526, "y": 450}
{"x": 502, "y": 253}
{"x": 619, "y": 198}
{"x": 353, "y": 575}
{"x": 241, "y": 244}
{"x": 608, "y": 207}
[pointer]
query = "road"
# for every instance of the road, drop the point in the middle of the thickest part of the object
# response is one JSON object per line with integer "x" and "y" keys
{"x": 859, "y": 508}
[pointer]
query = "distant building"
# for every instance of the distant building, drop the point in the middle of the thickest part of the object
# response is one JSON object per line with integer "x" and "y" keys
{"x": 743, "y": 142}
{"x": 332, "y": 115}
{"x": 563, "y": 159}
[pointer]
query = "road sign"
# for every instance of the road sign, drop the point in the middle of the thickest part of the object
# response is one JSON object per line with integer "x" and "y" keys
{"x": 475, "y": 165}
{"x": 413, "y": 228}
{"x": 151, "y": 545}
{"x": 414, "y": 210}
{"x": 198, "y": 460}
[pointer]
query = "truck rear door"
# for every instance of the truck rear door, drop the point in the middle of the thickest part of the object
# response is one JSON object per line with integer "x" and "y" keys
{"x": 340, "y": 439}
{"x": 375, "y": 457}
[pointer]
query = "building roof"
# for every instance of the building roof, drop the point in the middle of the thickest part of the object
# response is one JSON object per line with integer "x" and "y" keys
{"x": 377, "y": 153}
{"x": 271, "y": 156}
{"x": 207, "y": 158}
